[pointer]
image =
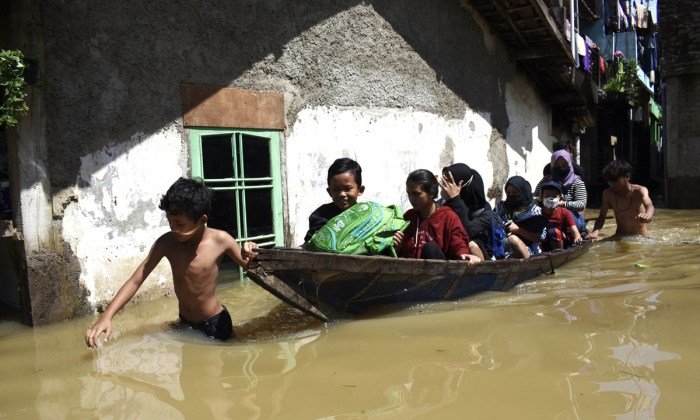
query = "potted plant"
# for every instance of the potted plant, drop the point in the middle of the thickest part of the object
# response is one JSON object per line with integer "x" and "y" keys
{"x": 622, "y": 86}
{"x": 12, "y": 82}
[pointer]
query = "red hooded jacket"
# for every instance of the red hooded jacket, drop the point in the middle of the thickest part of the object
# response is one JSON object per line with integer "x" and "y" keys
{"x": 442, "y": 228}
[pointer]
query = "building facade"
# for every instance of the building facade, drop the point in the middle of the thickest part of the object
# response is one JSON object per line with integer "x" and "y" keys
{"x": 258, "y": 99}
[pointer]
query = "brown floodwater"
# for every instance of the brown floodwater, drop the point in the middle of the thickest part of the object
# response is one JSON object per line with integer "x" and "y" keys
{"x": 614, "y": 334}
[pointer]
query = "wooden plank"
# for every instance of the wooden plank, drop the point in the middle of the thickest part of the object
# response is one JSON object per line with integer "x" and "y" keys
{"x": 285, "y": 293}
{"x": 211, "y": 106}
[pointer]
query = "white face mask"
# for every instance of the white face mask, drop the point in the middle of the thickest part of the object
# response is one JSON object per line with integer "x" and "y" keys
{"x": 551, "y": 202}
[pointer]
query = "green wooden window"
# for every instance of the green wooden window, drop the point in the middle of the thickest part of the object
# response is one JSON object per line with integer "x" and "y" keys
{"x": 243, "y": 169}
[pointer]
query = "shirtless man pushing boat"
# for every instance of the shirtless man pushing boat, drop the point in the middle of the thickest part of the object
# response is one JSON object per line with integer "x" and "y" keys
{"x": 630, "y": 202}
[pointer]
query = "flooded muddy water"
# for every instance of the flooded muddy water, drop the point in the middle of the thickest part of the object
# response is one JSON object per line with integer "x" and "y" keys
{"x": 614, "y": 334}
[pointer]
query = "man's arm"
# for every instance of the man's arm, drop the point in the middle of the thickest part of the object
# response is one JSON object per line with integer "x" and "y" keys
{"x": 648, "y": 206}
{"x": 124, "y": 295}
{"x": 600, "y": 221}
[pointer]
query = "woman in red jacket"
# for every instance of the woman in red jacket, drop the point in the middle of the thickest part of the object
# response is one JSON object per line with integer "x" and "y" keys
{"x": 434, "y": 232}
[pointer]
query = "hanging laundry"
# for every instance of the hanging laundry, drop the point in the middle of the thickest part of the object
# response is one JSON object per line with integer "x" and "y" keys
{"x": 581, "y": 50}
{"x": 587, "y": 58}
{"x": 642, "y": 16}
{"x": 622, "y": 16}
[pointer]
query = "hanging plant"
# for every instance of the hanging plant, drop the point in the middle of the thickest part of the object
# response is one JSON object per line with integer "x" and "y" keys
{"x": 12, "y": 84}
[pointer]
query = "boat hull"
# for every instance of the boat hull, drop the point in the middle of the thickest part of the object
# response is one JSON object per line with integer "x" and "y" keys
{"x": 334, "y": 283}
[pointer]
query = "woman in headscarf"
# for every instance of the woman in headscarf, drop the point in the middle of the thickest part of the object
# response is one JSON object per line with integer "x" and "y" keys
{"x": 524, "y": 223}
{"x": 574, "y": 195}
{"x": 463, "y": 191}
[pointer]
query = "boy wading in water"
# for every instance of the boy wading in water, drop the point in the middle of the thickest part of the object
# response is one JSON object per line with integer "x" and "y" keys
{"x": 194, "y": 252}
{"x": 630, "y": 202}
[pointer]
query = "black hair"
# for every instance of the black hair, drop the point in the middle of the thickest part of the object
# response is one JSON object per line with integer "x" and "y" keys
{"x": 189, "y": 197}
{"x": 426, "y": 180}
{"x": 616, "y": 169}
{"x": 562, "y": 144}
{"x": 342, "y": 165}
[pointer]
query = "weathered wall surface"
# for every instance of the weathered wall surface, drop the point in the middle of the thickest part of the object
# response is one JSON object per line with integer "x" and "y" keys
{"x": 679, "y": 34}
{"x": 682, "y": 130}
{"x": 396, "y": 85}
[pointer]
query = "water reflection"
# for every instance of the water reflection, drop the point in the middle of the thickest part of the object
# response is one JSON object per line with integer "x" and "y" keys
{"x": 166, "y": 377}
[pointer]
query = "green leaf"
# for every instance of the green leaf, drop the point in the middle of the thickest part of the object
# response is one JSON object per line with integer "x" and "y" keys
{"x": 12, "y": 80}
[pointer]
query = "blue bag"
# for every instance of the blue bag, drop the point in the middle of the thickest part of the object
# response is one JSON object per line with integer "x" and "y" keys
{"x": 498, "y": 237}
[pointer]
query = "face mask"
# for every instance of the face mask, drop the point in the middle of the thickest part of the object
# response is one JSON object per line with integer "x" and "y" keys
{"x": 560, "y": 172}
{"x": 514, "y": 202}
{"x": 551, "y": 202}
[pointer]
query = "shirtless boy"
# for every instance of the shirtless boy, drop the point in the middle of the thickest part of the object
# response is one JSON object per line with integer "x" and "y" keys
{"x": 194, "y": 252}
{"x": 630, "y": 202}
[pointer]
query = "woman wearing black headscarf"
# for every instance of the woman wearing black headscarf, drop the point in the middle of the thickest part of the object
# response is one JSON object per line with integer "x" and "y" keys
{"x": 463, "y": 191}
{"x": 524, "y": 222}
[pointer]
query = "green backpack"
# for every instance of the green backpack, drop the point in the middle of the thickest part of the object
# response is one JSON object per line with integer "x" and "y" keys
{"x": 365, "y": 228}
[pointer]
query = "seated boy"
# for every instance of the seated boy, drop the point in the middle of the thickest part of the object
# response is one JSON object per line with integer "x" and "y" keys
{"x": 630, "y": 202}
{"x": 561, "y": 225}
{"x": 344, "y": 186}
{"x": 194, "y": 252}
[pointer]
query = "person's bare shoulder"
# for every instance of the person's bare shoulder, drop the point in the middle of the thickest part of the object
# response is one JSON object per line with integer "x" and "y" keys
{"x": 220, "y": 237}
{"x": 165, "y": 242}
{"x": 641, "y": 189}
{"x": 608, "y": 195}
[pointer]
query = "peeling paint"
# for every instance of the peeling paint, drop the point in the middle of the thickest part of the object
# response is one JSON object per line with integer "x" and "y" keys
{"x": 122, "y": 186}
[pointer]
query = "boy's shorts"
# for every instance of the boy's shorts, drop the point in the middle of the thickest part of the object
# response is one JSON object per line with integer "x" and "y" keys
{"x": 219, "y": 326}
{"x": 555, "y": 234}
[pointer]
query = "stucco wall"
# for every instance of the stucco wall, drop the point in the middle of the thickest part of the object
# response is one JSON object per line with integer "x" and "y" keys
{"x": 395, "y": 85}
{"x": 682, "y": 134}
{"x": 679, "y": 34}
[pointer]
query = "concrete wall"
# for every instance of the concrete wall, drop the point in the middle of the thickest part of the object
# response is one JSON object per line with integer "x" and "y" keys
{"x": 396, "y": 85}
{"x": 682, "y": 134}
{"x": 679, "y": 34}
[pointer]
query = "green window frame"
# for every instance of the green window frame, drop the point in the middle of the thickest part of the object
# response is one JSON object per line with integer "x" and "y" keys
{"x": 252, "y": 195}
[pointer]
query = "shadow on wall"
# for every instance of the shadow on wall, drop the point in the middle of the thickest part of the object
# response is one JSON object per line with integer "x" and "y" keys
{"x": 132, "y": 57}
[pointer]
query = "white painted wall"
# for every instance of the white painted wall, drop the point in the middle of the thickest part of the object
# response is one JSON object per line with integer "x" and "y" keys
{"x": 529, "y": 138}
{"x": 116, "y": 218}
{"x": 387, "y": 143}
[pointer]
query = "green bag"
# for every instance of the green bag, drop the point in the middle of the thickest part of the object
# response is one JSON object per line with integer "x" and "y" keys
{"x": 365, "y": 228}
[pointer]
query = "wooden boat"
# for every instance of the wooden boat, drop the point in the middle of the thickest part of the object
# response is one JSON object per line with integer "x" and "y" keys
{"x": 323, "y": 284}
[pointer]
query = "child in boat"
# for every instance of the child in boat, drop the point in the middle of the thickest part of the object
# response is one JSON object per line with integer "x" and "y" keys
{"x": 434, "y": 232}
{"x": 463, "y": 191}
{"x": 344, "y": 186}
{"x": 561, "y": 226}
{"x": 574, "y": 196}
{"x": 194, "y": 252}
{"x": 630, "y": 202}
{"x": 524, "y": 223}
